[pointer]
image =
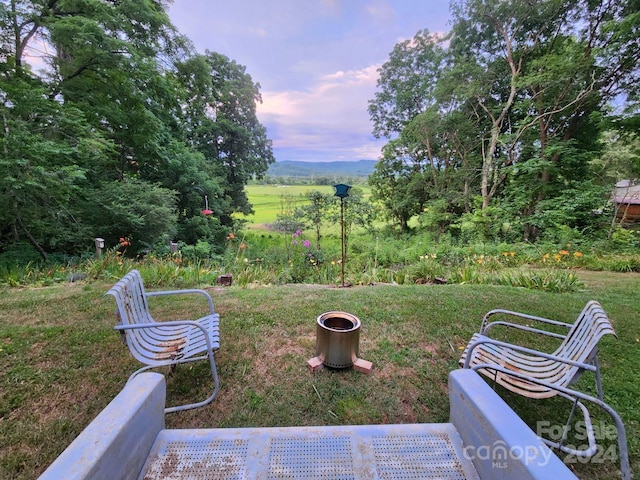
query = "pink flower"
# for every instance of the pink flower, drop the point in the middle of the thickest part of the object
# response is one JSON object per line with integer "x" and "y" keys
{"x": 307, "y": 243}
{"x": 206, "y": 211}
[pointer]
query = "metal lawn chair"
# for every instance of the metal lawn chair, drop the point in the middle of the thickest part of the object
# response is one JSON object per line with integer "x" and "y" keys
{"x": 535, "y": 374}
{"x": 170, "y": 343}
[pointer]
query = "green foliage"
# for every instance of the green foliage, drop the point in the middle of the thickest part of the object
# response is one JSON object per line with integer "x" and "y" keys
{"x": 143, "y": 213}
{"x": 124, "y": 101}
{"x": 557, "y": 281}
{"x": 574, "y": 209}
{"x": 220, "y": 112}
{"x": 315, "y": 212}
{"x": 625, "y": 240}
{"x": 484, "y": 225}
{"x": 508, "y": 116}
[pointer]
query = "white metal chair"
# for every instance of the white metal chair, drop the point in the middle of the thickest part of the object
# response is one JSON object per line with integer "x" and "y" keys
{"x": 535, "y": 374}
{"x": 576, "y": 353}
{"x": 169, "y": 343}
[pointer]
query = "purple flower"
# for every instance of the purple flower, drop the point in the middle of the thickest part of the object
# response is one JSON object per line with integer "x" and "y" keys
{"x": 297, "y": 234}
{"x": 307, "y": 243}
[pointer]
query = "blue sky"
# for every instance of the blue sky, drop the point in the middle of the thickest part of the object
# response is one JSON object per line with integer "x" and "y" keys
{"x": 316, "y": 62}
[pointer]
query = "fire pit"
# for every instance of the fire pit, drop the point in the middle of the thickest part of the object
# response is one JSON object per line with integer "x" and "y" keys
{"x": 337, "y": 342}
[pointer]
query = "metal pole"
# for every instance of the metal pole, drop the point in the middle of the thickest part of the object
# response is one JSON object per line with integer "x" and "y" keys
{"x": 342, "y": 229}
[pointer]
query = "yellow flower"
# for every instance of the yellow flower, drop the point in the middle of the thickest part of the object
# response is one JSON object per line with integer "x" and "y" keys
{"x": 480, "y": 260}
{"x": 504, "y": 254}
{"x": 513, "y": 254}
{"x": 557, "y": 257}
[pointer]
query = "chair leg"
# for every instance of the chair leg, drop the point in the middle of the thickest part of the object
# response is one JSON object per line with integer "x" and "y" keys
{"x": 598, "y": 378}
{"x": 216, "y": 387}
{"x": 214, "y": 375}
{"x": 591, "y": 439}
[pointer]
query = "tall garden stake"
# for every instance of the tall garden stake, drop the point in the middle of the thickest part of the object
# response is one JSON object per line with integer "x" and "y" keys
{"x": 342, "y": 191}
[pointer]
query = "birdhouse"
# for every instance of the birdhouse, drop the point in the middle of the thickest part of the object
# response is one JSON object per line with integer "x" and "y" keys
{"x": 342, "y": 190}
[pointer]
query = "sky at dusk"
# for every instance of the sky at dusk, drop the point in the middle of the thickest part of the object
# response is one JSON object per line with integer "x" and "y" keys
{"x": 315, "y": 60}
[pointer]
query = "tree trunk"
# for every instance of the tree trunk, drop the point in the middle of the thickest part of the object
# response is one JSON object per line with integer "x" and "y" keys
{"x": 32, "y": 240}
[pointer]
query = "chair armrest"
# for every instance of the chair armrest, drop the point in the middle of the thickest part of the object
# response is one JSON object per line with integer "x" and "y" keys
{"x": 185, "y": 291}
{"x": 623, "y": 448}
{"x": 487, "y": 326}
{"x": 529, "y": 351}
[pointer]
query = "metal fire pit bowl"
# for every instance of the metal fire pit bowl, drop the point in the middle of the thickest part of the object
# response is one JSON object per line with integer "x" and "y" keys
{"x": 338, "y": 341}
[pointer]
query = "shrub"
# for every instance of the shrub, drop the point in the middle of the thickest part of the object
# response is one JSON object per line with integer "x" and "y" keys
{"x": 558, "y": 281}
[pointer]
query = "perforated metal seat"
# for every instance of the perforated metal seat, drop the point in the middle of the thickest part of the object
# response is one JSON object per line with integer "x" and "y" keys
{"x": 157, "y": 344}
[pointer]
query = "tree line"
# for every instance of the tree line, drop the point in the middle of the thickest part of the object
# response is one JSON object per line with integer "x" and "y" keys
{"x": 516, "y": 123}
{"x": 113, "y": 126}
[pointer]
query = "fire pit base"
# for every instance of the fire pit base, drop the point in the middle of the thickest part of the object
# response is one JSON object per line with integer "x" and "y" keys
{"x": 359, "y": 365}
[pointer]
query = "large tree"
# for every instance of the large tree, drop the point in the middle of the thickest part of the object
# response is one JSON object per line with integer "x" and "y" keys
{"x": 122, "y": 109}
{"x": 221, "y": 123}
{"x": 532, "y": 79}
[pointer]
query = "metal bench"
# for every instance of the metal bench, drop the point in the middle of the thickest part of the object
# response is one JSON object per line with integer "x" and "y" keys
{"x": 536, "y": 374}
{"x": 167, "y": 343}
{"x": 484, "y": 439}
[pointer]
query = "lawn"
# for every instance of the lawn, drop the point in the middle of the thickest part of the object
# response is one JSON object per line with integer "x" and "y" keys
{"x": 61, "y": 362}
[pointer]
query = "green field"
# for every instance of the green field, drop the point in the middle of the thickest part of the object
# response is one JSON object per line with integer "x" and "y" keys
{"x": 268, "y": 200}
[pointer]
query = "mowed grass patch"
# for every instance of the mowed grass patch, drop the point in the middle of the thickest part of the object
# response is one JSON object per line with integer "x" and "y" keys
{"x": 61, "y": 365}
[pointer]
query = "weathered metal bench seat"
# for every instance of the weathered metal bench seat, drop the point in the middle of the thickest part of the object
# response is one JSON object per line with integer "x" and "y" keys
{"x": 484, "y": 439}
{"x": 158, "y": 344}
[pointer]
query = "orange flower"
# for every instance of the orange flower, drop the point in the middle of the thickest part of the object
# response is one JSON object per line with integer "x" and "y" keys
{"x": 564, "y": 252}
{"x": 242, "y": 246}
{"x": 577, "y": 254}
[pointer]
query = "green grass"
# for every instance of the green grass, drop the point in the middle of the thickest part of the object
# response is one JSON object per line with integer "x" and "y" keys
{"x": 61, "y": 362}
{"x": 267, "y": 200}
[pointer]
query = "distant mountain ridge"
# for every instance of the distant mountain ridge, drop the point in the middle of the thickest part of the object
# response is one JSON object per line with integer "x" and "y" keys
{"x": 291, "y": 168}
